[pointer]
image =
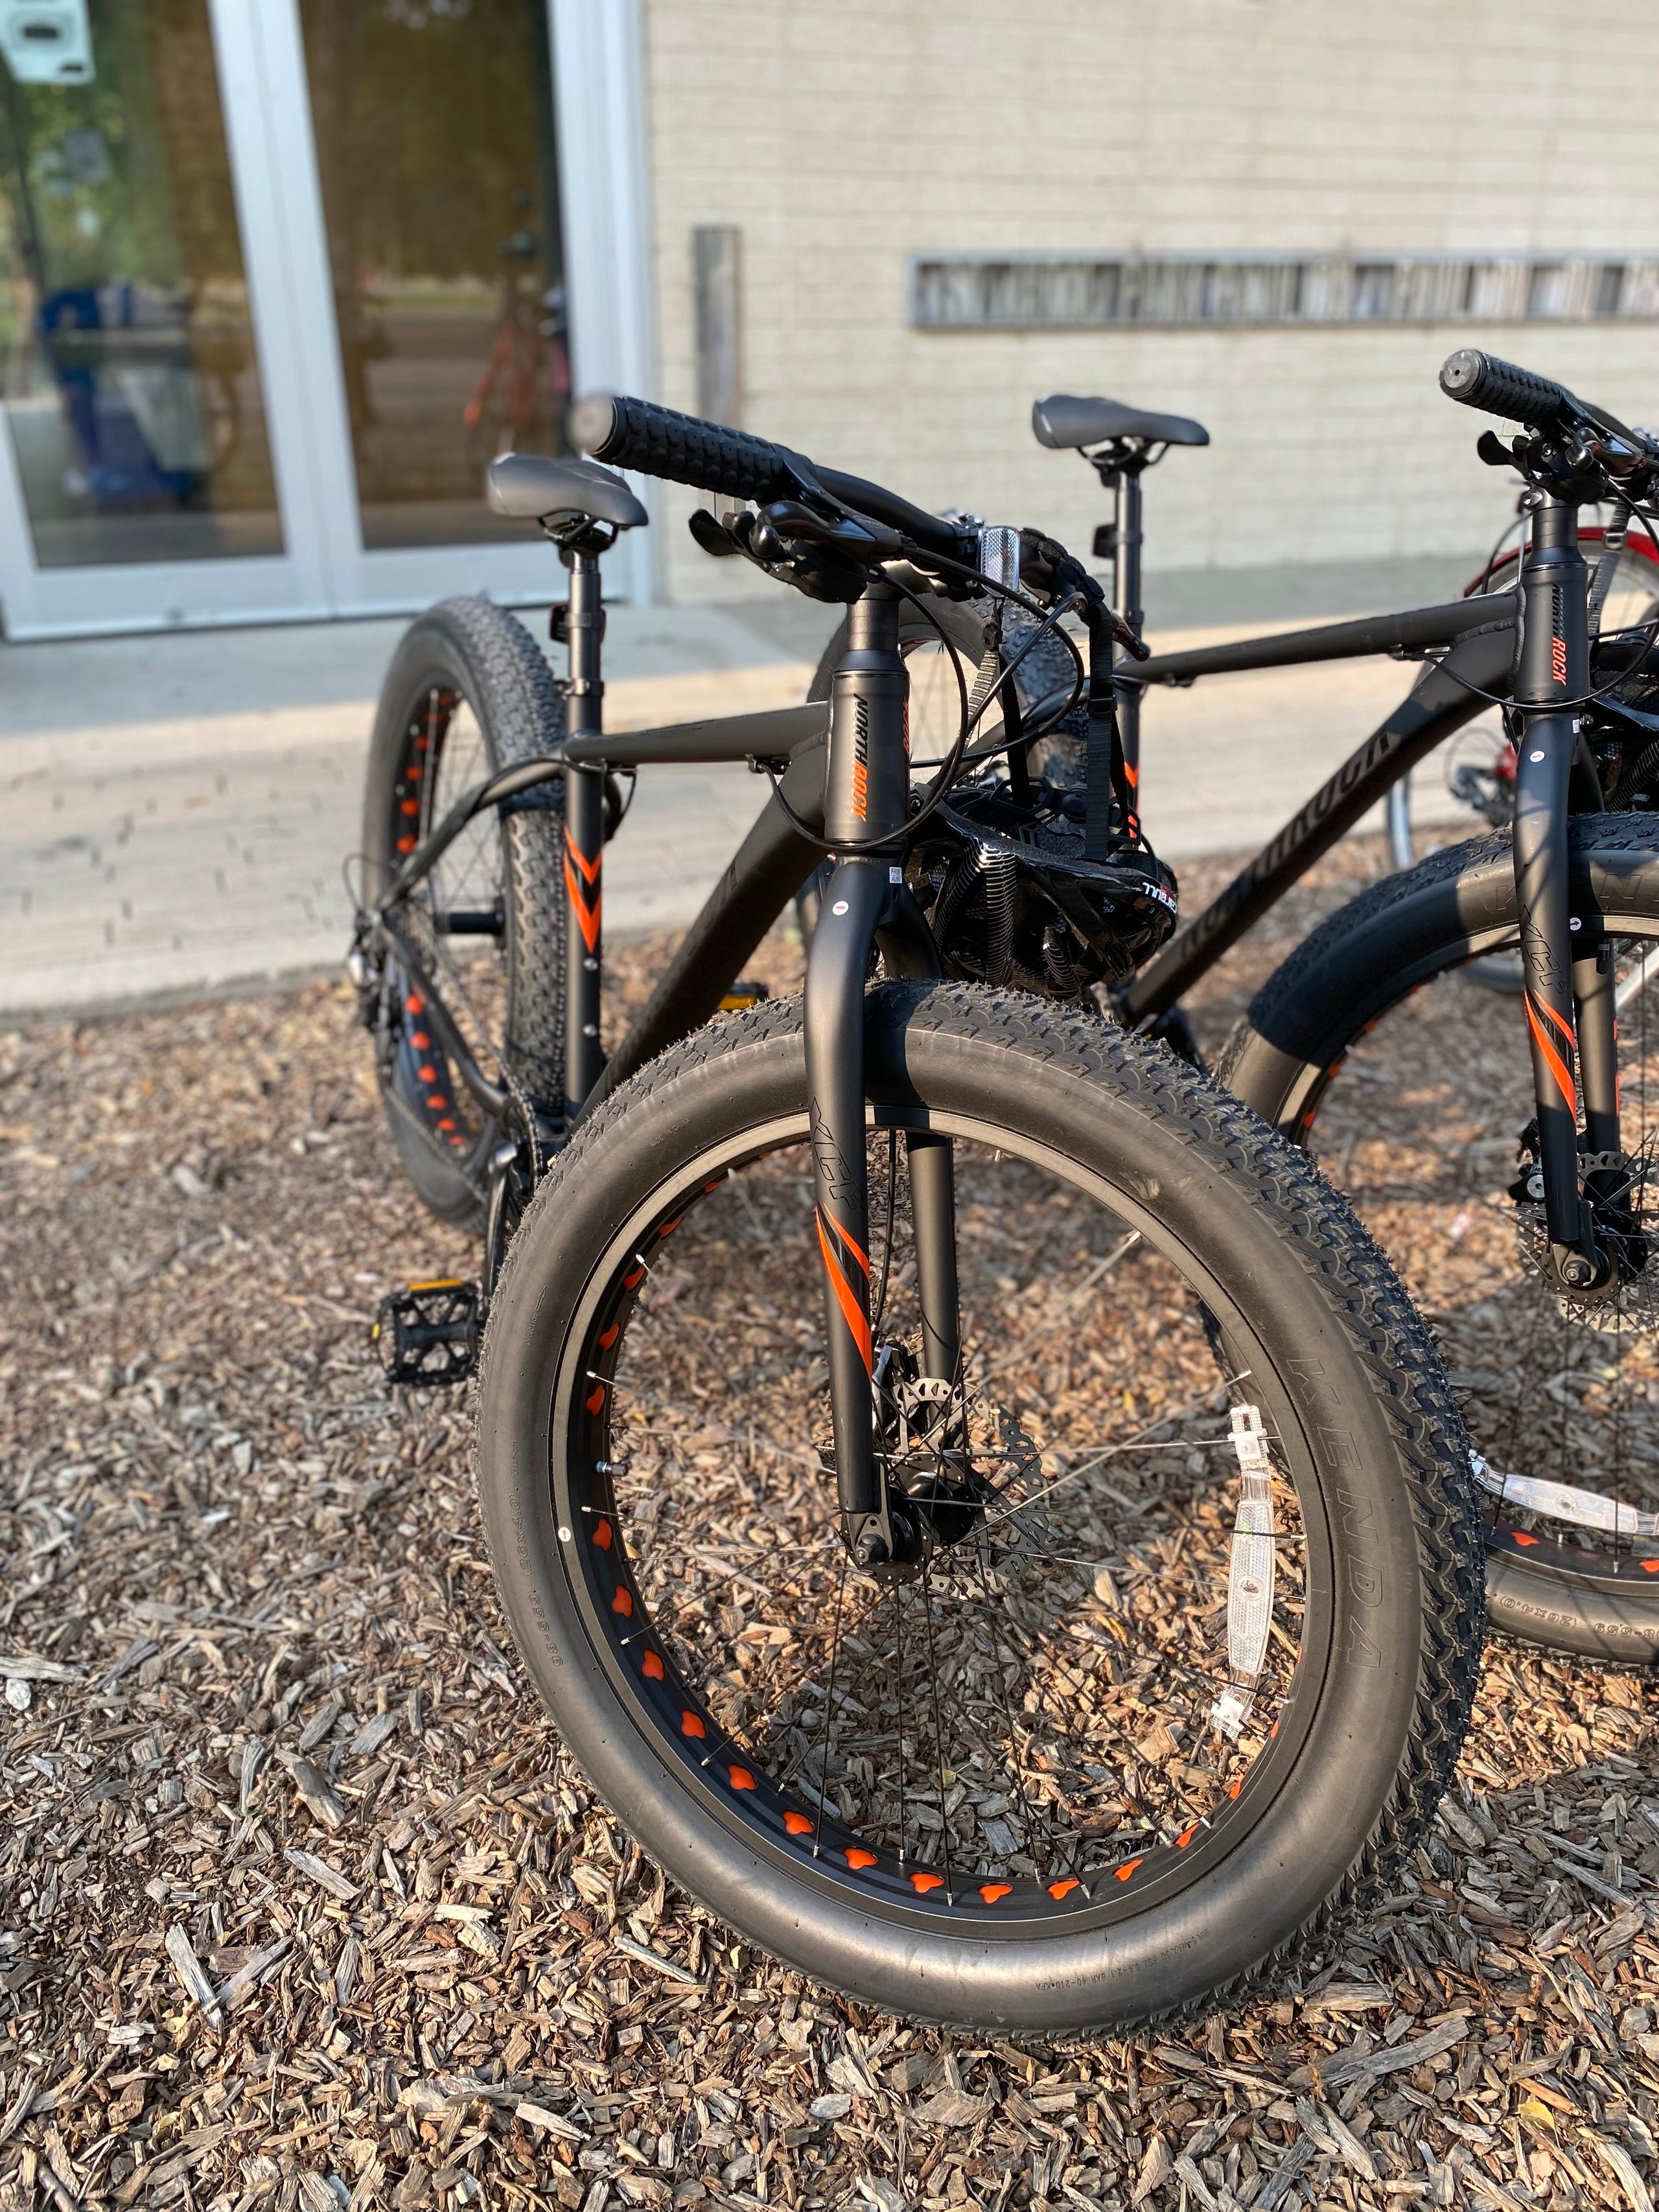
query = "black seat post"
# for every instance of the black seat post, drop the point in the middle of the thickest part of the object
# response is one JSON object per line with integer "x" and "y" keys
{"x": 583, "y": 833}
{"x": 1125, "y": 482}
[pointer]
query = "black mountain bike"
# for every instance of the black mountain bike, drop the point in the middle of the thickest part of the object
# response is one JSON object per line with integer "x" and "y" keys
{"x": 1560, "y": 1398}
{"x": 1543, "y": 1281}
{"x": 977, "y": 1509}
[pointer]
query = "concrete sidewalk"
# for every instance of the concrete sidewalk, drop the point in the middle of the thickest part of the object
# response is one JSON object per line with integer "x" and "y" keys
{"x": 179, "y": 810}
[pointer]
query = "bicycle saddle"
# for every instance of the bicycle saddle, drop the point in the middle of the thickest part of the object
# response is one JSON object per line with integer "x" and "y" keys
{"x": 1060, "y": 420}
{"x": 532, "y": 487}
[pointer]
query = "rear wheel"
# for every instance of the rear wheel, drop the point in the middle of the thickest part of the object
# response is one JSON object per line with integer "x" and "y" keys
{"x": 468, "y": 692}
{"x": 1187, "y": 1654}
{"x": 1417, "y": 1090}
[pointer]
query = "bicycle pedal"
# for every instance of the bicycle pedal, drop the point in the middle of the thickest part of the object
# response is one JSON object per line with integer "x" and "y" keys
{"x": 744, "y": 993}
{"x": 428, "y": 1334}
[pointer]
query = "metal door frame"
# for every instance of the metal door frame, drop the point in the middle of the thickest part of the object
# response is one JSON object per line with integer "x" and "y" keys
{"x": 325, "y": 570}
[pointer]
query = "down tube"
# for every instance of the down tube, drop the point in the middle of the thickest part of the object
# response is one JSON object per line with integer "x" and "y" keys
{"x": 1436, "y": 705}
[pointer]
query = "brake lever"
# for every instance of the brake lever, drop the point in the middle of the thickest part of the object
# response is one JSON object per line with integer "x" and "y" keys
{"x": 788, "y": 521}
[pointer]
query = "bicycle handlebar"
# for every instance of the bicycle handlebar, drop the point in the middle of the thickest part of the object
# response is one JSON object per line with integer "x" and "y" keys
{"x": 632, "y": 434}
{"x": 658, "y": 441}
{"x": 1517, "y": 395}
{"x": 1478, "y": 379}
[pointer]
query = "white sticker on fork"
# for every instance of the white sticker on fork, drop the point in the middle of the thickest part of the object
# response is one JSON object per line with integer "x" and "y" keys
{"x": 1250, "y": 1575}
{"x": 1560, "y": 1501}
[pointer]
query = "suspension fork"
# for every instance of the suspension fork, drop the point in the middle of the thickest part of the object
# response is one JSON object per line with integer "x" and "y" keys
{"x": 584, "y": 837}
{"x": 866, "y": 800}
{"x": 1554, "y": 668}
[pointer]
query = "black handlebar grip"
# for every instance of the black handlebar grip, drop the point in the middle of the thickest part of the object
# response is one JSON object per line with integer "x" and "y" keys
{"x": 633, "y": 434}
{"x": 1502, "y": 389}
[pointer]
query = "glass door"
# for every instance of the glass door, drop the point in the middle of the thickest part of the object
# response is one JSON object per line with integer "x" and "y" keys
{"x": 278, "y": 278}
{"x": 136, "y": 454}
{"x": 433, "y": 128}
{"x": 439, "y": 269}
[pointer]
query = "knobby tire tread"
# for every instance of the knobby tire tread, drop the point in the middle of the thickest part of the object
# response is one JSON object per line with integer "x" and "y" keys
{"x": 1356, "y": 939}
{"x": 506, "y": 679}
{"x": 1381, "y": 1322}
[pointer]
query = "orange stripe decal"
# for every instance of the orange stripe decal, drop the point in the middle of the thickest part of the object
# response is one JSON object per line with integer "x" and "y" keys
{"x": 1124, "y": 1872}
{"x": 1550, "y": 1014}
{"x": 590, "y": 868}
{"x": 1553, "y": 1060}
{"x": 588, "y": 917}
{"x": 852, "y": 1312}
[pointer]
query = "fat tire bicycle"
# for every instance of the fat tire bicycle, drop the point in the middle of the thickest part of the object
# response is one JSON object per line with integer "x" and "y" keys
{"x": 1547, "y": 1310}
{"x": 1554, "y": 1593}
{"x": 976, "y": 1507}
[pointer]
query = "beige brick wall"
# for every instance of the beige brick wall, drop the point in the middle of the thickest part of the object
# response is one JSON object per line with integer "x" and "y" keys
{"x": 843, "y": 136}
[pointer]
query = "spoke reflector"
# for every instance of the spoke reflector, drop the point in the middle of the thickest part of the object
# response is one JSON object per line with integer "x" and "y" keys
{"x": 1250, "y": 1575}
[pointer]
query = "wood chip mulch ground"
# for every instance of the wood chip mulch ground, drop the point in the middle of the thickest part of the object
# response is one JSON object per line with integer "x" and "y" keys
{"x": 301, "y": 1904}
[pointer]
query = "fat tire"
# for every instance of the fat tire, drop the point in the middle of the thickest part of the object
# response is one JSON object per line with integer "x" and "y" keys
{"x": 1349, "y": 974}
{"x": 1389, "y": 1713}
{"x": 492, "y": 660}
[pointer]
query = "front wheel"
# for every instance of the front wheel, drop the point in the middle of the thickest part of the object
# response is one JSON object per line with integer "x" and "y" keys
{"x": 1186, "y": 1654}
{"x": 1417, "y": 1090}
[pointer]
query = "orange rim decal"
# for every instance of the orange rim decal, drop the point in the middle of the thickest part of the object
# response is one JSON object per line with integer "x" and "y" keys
{"x": 602, "y": 1536}
{"x": 990, "y": 1891}
{"x": 1059, "y": 1889}
{"x": 1181, "y": 1842}
{"x": 1124, "y": 1872}
{"x": 595, "y": 1398}
{"x": 651, "y": 1667}
{"x": 921, "y": 1883}
{"x": 1650, "y": 1566}
{"x": 797, "y": 1824}
{"x": 609, "y": 1336}
{"x": 632, "y": 1282}
{"x": 691, "y": 1724}
{"x": 740, "y": 1777}
{"x": 622, "y": 1603}
{"x": 1524, "y": 1540}
{"x": 859, "y": 1860}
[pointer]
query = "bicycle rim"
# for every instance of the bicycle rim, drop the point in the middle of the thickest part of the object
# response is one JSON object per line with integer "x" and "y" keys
{"x": 455, "y": 921}
{"x": 1056, "y": 1715}
{"x": 1423, "y": 1134}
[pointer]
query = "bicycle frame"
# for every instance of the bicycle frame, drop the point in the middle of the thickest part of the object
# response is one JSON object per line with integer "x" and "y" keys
{"x": 1480, "y": 633}
{"x": 857, "y": 792}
